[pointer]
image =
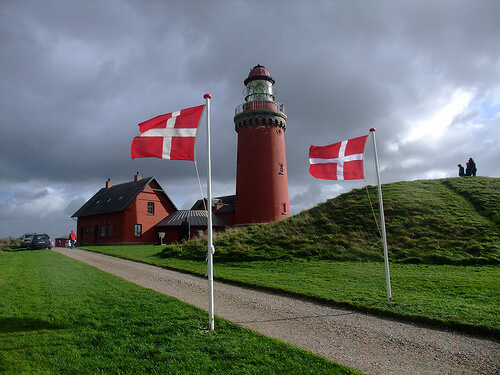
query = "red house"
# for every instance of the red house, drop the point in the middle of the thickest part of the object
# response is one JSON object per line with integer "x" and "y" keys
{"x": 124, "y": 213}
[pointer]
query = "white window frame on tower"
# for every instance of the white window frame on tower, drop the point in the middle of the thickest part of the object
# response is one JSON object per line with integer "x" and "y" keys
{"x": 281, "y": 168}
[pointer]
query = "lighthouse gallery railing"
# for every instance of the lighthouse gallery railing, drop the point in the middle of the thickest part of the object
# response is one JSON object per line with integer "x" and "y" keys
{"x": 258, "y": 105}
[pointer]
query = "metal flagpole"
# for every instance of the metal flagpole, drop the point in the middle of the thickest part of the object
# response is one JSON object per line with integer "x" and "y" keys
{"x": 210, "y": 251}
{"x": 382, "y": 222}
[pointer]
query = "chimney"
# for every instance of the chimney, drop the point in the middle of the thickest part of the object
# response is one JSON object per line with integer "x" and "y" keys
{"x": 137, "y": 177}
{"x": 217, "y": 204}
{"x": 109, "y": 183}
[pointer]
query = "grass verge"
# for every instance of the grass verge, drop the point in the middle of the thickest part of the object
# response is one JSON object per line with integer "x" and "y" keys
{"x": 60, "y": 316}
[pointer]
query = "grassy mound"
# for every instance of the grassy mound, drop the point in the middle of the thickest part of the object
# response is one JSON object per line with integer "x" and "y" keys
{"x": 445, "y": 221}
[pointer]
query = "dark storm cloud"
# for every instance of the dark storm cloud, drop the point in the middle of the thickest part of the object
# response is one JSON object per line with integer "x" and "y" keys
{"x": 77, "y": 78}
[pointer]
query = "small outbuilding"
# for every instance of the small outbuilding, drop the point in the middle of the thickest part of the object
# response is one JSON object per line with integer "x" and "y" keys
{"x": 224, "y": 207}
{"x": 61, "y": 241}
{"x": 171, "y": 225}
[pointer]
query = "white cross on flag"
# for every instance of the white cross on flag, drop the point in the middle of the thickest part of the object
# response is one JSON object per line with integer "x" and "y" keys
{"x": 171, "y": 136}
{"x": 340, "y": 161}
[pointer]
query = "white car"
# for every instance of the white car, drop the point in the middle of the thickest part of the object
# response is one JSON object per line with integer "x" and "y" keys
{"x": 26, "y": 239}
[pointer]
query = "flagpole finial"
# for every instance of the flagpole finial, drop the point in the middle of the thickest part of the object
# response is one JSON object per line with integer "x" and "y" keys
{"x": 372, "y": 129}
{"x": 207, "y": 96}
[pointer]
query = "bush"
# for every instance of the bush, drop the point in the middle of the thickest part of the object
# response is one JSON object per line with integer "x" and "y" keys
{"x": 10, "y": 244}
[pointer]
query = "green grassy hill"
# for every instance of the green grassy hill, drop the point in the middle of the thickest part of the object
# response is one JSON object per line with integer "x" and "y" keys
{"x": 445, "y": 221}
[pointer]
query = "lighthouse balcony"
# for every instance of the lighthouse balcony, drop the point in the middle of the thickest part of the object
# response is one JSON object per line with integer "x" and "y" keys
{"x": 259, "y": 106}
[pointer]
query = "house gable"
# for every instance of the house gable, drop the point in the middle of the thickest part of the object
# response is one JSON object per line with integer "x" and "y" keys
{"x": 116, "y": 198}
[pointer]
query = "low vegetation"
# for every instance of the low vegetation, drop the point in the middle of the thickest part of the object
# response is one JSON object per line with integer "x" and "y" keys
{"x": 10, "y": 243}
{"x": 60, "y": 316}
{"x": 447, "y": 221}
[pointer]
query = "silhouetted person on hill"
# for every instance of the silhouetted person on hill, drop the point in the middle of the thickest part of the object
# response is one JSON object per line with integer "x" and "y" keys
{"x": 184, "y": 231}
{"x": 471, "y": 168}
{"x": 461, "y": 172}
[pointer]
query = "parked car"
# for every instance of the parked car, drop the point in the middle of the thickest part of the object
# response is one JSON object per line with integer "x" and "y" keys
{"x": 40, "y": 241}
{"x": 26, "y": 238}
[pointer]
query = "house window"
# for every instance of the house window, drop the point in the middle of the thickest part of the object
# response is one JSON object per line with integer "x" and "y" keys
{"x": 110, "y": 230}
{"x": 151, "y": 208}
{"x": 138, "y": 230}
{"x": 284, "y": 208}
{"x": 103, "y": 231}
{"x": 282, "y": 168}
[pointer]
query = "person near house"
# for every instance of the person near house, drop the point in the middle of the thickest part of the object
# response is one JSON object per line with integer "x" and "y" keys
{"x": 461, "y": 171}
{"x": 72, "y": 239}
{"x": 184, "y": 231}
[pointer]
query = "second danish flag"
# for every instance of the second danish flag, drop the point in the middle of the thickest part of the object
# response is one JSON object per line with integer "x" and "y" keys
{"x": 339, "y": 161}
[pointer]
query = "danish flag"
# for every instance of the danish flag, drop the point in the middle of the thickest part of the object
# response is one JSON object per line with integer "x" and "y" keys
{"x": 170, "y": 136}
{"x": 339, "y": 161}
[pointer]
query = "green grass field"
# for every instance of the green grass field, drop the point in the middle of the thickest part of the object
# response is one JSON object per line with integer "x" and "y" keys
{"x": 463, "y": 297}
{"x": 60, "y": 316}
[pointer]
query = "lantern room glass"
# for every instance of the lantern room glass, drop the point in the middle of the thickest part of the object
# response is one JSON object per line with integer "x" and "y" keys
{"x": 259, "y": 90}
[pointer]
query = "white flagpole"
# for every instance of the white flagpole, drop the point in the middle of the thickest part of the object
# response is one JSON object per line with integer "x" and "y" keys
{"x": 382, "y": 222}
{"x": 210, "y": 252}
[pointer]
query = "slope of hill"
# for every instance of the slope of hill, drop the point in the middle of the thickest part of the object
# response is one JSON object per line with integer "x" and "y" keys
{"x": 444, "y": 221}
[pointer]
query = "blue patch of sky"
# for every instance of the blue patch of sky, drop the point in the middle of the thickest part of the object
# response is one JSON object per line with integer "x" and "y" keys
{"x": 489, "y": 110}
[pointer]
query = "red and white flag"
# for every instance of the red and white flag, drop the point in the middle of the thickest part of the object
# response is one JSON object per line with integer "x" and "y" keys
{"x": 171, "y": 136}
{"x": 340, "y": 161}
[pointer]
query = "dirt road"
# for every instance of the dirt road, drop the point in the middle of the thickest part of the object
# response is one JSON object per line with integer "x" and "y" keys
{"x": 369, "y": 344}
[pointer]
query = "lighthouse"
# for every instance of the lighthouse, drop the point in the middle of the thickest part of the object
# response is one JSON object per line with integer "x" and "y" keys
{"x": 261, "y": 173}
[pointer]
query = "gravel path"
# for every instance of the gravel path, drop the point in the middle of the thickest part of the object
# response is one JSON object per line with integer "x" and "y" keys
{"x": 369, "y": 344}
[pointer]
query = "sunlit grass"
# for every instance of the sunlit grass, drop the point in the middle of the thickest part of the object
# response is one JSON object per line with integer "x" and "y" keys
{"x": 461, "y": 296}
{"x": 448, "y": 221}
{"x": 60, "y": 316}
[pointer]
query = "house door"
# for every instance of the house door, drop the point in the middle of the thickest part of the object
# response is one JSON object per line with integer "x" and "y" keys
{"x": 96, "y": 233}
{"x": 82, "y": 232}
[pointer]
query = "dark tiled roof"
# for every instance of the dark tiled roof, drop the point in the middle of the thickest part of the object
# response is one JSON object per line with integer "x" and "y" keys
{"x": 197, "y": 218}
{"x": 116, "y": 198}
{"x": 228, "y": 203}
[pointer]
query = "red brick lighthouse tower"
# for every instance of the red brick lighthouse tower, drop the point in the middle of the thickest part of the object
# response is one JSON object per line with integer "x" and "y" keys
{"x": 261, "y": 173}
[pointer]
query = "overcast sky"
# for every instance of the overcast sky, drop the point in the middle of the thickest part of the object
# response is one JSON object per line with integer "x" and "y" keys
{"x": 76, "y": 77}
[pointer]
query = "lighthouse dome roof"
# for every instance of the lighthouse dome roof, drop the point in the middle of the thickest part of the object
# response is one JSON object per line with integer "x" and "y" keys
{"x": 259, "y": 72}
